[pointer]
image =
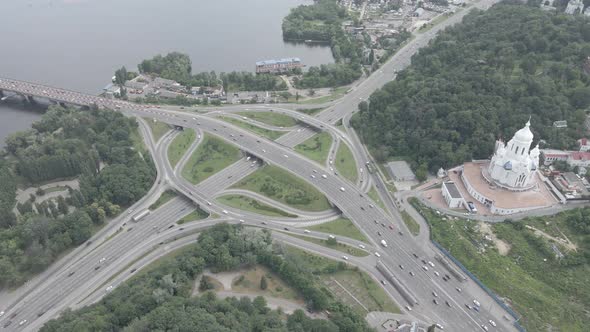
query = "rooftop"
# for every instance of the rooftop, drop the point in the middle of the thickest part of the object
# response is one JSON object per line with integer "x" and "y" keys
{"x": 580, "y": 155}
{"x": 453, "y": 190}
{"x": 401, "y": 170}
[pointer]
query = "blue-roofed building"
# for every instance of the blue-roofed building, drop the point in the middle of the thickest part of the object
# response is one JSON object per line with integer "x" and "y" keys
{"x": 278, "y": 66}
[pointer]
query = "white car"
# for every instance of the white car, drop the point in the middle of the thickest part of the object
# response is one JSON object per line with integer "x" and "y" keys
{"x": 425, "y": 268}
{"x": 431, "y": 263}
{"x": 263, "y": 151}
{"x": 312, "y": 176}
{"x": 440, "y": 326}
{"x": 485, "y": 327}
{"x": 331, "y": 236}
{"x": 458, "y": 289}
{"x": 476, "y": 303}
{"x": 324, "y": 176}
{"x": 102, "y": 260}
{"x": 110, "y": 288}
{"x": 285, "y": 156}
{"x": 242, "y": 221}
{"x": 306, "y": 231}
{"x": 377, "y": 254}
{"x": 436, "y": 274}
{"x": 408, "y": 308}
{"x": 22, "y": 322}
{"x": 225, "y": 211}
{"x": 492, "y": 323}
{"x": 361, "y": 246}
{"x": 1, "y": 313}
{"x": 345, "y": 258}
{"x": 342, "y": 189}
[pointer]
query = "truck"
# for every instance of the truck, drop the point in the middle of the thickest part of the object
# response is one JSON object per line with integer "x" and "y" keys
{"x": 140, "y": 215}
{"x": 383, "y": 243}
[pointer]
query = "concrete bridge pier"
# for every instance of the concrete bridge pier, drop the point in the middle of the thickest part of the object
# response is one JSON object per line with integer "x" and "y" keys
{"x": 1, "y": 93}
{"x": 31, "y": 100}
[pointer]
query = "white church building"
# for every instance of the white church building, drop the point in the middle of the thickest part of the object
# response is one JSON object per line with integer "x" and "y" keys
{"x": 513, "y": 166}
{"x": 508, "y": 183}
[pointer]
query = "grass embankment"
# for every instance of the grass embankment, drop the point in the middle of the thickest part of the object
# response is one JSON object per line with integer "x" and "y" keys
{"x": 284, "y": 187}
{"x": 253, "y": 205}
{"x": 341, "y": 226}
{"x": 309, "y": 111}
{"x": 551, "y": 293}
{"x": 212, "y": 155}
{"x": 317, "y": 147}
{"x": 344, "y": 248}
{"x": 197, "y": 214}
{"x": 165, "y": 197}
{"x": 345, "y": 163}
{"x": 343, "y": 281}
{"x": 375, "y": 197}
{"x": 336, "y": 93}
{"x": 412, "y": 224}
{"x": 270, "y": 134}
{"x": 158, "y": 128}
{"x": 271, "y": 118}
{"x": 249, "y": 282}
{"x": 179, "y": 145}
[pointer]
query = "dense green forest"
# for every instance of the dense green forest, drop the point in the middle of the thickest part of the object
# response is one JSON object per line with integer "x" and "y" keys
{"x": 322, "y": 21}
{"x": 479, "y": 81}
{"x": 159, "y": 299}
{"x": 177, "y": 66}
{"x": 66, "y": 143}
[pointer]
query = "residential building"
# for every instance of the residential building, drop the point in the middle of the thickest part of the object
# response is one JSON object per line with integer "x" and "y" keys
{"x": 278, "y": 66}
{"x": 584, "y": 144}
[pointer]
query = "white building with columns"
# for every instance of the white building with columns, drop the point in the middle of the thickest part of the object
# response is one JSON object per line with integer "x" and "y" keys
{"x": 513, "y": 166}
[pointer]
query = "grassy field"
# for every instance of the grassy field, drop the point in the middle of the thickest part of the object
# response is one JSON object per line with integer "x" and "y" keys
{"x": 284, "y": 187}
{"x": 271, "y": 118}
{"x": 345, "y": 163}
{"x": 249, "y": 282}
{"x": 165, "y": 197}
{"x": 212, "y": 155}
{"x": 197, "y": 214}
{"x": 375, "y": 197}
{"x": 337, "y": 93}
{"x": 179, "y": 145}
{"x": 344, "y": 248}
{"x": 317, "y": 147}
{"x": 341, "y": 226}
{"x": 412, "y": 224}
{"x": 253, "y": 205}
{"x": 270, "y": 134}
{"x": 343, "y": 280}
{"x": 551, "y": 293}
{"x": 158, "y": 128}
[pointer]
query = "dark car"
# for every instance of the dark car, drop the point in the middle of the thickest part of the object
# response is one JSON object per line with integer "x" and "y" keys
{"x": 170, "y": 226}
{"x": 7, "y": 324}
{"x": 415, "y": 255}
{"x": 71, "y": 273}
{"x": 132, "y": 270}
{"x": 96, "y": 268}
{"x": 286, "y": 228}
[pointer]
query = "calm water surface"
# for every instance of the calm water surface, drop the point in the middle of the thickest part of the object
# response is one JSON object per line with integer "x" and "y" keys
{"x": 78, "y": 44}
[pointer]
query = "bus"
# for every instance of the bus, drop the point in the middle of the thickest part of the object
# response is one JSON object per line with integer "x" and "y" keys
{"x": 140, "y": 216}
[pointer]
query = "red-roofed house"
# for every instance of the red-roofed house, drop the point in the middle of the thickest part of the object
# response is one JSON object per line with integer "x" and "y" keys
{"x": 579, "y": 159}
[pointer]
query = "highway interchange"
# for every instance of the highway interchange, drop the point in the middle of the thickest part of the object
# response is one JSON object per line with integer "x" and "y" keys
{"x": 81, "y": 277}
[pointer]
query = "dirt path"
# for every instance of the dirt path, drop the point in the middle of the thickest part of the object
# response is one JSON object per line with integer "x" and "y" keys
{"x": 564, "y": 242}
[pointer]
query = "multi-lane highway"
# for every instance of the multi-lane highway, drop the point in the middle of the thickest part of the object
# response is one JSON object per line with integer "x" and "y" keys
{"x": 440, "y": 301}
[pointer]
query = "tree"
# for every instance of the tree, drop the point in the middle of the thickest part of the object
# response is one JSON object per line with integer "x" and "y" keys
{"x": 263, "y": 283}
{"x": 205, "y": 284}
{"x": 62, "y": 206}
{"x": 121, "y": 76}
{"x": 331, "y": 241}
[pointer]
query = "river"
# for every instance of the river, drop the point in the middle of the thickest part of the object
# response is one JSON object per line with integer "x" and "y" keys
{"x": 78, "y": 44}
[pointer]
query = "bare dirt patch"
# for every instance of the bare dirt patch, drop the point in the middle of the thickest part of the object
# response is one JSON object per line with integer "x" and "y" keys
{"x": 502, "y": 246}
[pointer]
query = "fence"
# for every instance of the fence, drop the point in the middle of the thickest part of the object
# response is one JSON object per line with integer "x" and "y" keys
{"x": 487, "y": 290}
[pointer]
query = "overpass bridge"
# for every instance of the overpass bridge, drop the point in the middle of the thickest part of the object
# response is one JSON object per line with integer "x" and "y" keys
{"x": 30, "y": 90}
